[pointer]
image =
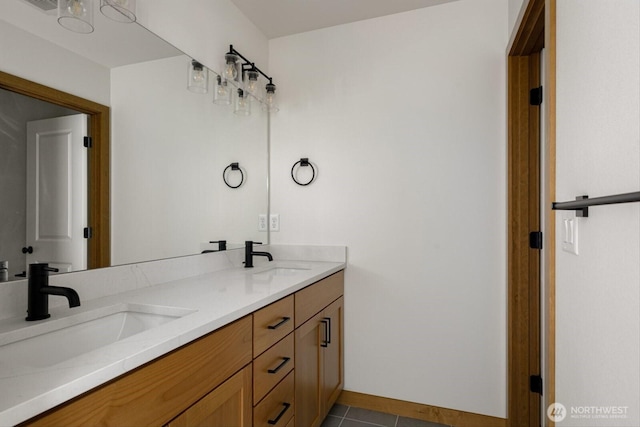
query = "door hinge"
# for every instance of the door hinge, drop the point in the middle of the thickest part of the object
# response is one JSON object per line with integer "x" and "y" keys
{"x": 535, "y": 384}
{"x": 88, "y": 232}
{"x": 535, "y": 96}
{"x": 88, "y": 142}
{"x": 535, "y": 240}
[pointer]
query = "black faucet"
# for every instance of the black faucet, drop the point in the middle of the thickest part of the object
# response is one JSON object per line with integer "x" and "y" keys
{"x": 249, "y": 253}
{"x": 39, "y": 291}
{"x": 222, "y": 246}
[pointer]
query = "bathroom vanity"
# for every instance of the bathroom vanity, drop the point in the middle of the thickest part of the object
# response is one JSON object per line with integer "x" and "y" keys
{"x": 260, "y": 346}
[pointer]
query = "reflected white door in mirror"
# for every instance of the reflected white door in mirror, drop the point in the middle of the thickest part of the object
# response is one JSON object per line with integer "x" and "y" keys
{"x": 57, "y": 192}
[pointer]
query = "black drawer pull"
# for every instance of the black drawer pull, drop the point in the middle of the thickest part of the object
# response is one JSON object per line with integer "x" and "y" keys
{"x": 280, "y": 323}
{"x": 286, "y": 407}
{"x": 325, "y": 341}
{"x": 285, "y": 360}
{"x": 328, "y": 319}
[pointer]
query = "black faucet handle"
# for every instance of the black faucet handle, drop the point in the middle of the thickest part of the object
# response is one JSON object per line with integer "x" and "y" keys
{"x": 222, "y": 244}
{"x": 41, "y": 268}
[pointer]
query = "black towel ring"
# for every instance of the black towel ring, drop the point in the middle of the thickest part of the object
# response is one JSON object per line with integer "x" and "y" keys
{"x": 303, "y": 162}
{"x": 234, "y": 167}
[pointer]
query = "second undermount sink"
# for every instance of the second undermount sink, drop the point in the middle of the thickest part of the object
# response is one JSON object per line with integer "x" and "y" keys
{"x": 55, "y": 341}
{"x": 280, "y": 271}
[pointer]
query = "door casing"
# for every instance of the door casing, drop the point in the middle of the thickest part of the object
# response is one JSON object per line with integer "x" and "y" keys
{"x": 525, "y": 310}
{"x": 99, "y": 246}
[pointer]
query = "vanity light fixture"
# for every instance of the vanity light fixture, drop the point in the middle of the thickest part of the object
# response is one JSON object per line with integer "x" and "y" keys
{"x": 270, "y": 98}
{"x": 243, "y": 103}
{"x": 198, "y": 77}
{"x": 76, "y": 15}
{"x": 249, "y": 74}
{"x": 119, "y": 10}
{"x": 231, "y": 66}
{"x": 251, "y": 81}
{"x": 222, "y": 92}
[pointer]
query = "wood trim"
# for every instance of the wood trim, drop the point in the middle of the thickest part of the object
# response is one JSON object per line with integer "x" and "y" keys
{"x": 550, "y": 218}
{"x": 523, "y": 262}
{"x": 530, "y": 36}
{"x": 419, "y": 411}
{"x": 524, "y": 310}
{"x": 99, "y": 247}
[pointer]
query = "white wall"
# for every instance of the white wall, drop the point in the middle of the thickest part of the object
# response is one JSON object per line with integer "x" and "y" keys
{"x": 515, "y": 7}
{"x": 598, "y": 153}
{"x": 404, "y": 118}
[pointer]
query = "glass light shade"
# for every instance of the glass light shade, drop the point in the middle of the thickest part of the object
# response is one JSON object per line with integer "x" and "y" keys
{"x": 119, "y": 10}
{"x": 251, "y": 82}
{"x": 243, "y": 103}
{"x": 76, "y": 15}
{"x": 222, "y": 92}
{"x": 198, "y": 78}
{"x": 231, "y": 66}
{"x": 270, "y": 99}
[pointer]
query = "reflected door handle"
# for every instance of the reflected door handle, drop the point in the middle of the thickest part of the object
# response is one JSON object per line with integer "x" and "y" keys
{"x": 27, "y": 250}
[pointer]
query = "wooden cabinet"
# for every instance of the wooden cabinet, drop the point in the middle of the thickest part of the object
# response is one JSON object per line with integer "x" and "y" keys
{"x": 277, "y": 408}
{"x": 227, "y": 405}
{"x": 282, "y": 363}
{"x": 319, "y": 349}
{"x": 271, "y": 324}
{"x": 157, "y": 392}
{"x": 273, "y": 364}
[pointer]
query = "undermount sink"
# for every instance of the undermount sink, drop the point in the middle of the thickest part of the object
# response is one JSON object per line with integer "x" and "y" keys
{"x": 280, "y": 271}
{"x": 55, "y": 341}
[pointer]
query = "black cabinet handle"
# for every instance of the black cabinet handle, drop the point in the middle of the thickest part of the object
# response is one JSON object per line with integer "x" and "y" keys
{"x": 280, "y": 323}
{"x": 325, "y": 341}
{"x": 286, "y": 407}
{"x": 27, "y": 250}
{"x": 275, "y": 370}
{"x": 328, "y": 319}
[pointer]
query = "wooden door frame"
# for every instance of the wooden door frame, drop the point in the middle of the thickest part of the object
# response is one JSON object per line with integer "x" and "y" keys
{"x": 535, "y": 31}
{"x": 99, "y": 245}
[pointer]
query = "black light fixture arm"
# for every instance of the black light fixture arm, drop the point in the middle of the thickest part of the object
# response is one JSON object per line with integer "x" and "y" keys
{"x": 250, "y": 65}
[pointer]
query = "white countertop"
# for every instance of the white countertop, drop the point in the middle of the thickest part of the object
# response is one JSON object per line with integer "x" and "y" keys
{"x": 218, "y": 298}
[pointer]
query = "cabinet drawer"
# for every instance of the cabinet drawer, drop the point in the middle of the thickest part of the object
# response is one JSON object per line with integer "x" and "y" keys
{"x": 277, "y": 408}
{"x": 271, "y": 367}
{"x": 317, "y": 296}
{"x": 271, "y": 324}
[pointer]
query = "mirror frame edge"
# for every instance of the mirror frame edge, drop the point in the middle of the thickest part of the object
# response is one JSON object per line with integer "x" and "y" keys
{"x": 99, "y": 160}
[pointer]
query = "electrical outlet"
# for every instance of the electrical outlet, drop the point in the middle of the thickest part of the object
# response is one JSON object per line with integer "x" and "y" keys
{"x": 262, "y": 222}
{"x": 274, "y": 222}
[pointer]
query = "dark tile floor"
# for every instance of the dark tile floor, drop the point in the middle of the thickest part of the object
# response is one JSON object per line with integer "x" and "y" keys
{"x": 350, "y": 416}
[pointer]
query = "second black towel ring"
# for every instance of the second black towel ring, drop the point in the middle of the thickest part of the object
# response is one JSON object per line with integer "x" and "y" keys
{"x": 234, "y": 167}
{"x": 303, "y": 163}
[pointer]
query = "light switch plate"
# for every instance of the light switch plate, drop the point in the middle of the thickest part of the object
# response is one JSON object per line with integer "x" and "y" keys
{"x": 570, "y": 235}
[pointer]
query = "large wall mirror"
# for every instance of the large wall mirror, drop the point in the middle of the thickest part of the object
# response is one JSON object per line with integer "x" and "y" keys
{"x": 168, "y": 147}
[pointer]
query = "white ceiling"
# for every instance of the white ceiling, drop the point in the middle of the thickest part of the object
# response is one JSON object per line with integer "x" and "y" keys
{"x": 110, "y": 44}
{"x": 277, "y": 18}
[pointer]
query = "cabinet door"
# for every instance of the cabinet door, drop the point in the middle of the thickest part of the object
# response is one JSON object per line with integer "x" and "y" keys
{"x": 230, "y": 404}
{"x": 308, "y": 372}
{"x": 333, "y": 353}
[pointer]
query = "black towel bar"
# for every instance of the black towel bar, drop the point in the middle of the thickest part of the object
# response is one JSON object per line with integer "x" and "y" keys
{"x": 582, "y": 203}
